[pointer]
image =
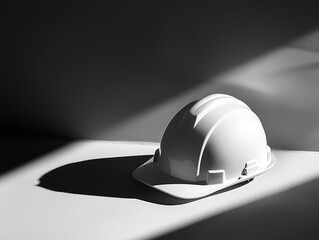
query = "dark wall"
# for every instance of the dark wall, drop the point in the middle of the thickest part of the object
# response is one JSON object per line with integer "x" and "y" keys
{"x": 72, "y": 69}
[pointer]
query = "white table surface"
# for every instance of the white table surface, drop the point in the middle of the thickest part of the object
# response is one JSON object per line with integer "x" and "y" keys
{"x": 85, "y": 191}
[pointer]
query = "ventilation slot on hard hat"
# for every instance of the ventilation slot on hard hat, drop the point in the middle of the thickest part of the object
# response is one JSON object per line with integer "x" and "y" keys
{"x": 250, "y": 167}
{"x": 215, "y": 177}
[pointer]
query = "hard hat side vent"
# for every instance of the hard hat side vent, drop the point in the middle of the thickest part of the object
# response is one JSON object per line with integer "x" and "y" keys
{"x": 250, "y": 167}
{"x": 215, "y": 176}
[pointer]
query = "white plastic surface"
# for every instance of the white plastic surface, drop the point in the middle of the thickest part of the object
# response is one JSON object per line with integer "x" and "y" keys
{"x": 218, "y": 133}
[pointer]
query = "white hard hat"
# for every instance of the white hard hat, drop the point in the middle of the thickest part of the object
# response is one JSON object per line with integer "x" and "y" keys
{"x": 209, "y": 145}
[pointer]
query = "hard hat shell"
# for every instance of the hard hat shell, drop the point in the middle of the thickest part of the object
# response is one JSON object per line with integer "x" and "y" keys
{"x": 209, "y": 145}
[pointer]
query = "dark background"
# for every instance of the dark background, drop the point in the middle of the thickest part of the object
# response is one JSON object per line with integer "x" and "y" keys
{"x": 72, "y": 69}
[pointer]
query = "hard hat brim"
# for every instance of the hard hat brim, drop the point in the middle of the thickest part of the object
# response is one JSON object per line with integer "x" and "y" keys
{"x": 151, "y": 176}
